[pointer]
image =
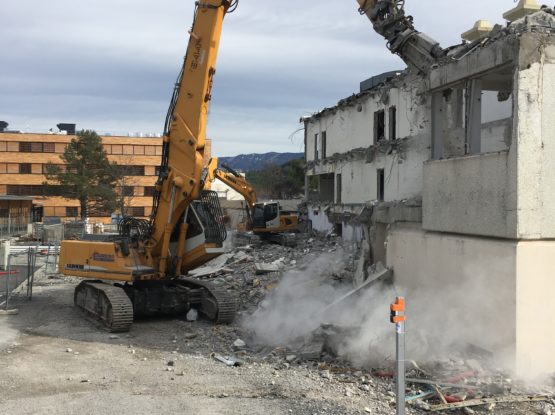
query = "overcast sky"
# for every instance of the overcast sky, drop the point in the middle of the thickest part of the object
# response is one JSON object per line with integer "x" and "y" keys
{"x": 110, "y": 65}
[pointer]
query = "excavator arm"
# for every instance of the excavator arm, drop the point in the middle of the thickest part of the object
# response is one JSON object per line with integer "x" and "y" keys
{"x": 235, "y": 181}
{"x": 388, "y": 17}
{"x": 179, "y": 182}
{"x": 232, "y": 179}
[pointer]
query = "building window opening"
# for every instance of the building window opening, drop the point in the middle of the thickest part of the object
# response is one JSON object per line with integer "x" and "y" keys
{"x": 316, "y": 136}
{"x": 338, "y": 229}
{"x": 127, "y": 191}
{"x": 338, "y": 188}
{"x": 137, "y": 211}
{"x": 324, "y": 145}
{"x": 72, "y": 211}
{"x": 379, "y": 126}
{"x": 381, "y": 184}
{"x": 393, "y": 123}
{"x": 24, "y": 168}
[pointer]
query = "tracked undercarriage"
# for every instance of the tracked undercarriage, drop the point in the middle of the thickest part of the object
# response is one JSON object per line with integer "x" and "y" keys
{"x": 114, "y": 306}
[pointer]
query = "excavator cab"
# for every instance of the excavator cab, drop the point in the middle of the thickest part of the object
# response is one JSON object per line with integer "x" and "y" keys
{"x": 270, "y": 218}
{"x": 206, "y": 231}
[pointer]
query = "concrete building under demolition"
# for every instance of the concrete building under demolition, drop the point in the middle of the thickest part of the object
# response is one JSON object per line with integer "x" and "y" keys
{"x": 445, "y": 173}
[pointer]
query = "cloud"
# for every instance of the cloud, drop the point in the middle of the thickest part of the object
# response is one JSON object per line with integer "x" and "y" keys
{"x": 111, "y": 65}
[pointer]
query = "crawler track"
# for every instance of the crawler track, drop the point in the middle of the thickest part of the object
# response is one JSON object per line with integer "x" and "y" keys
{"x": 105, "y": 304}
{"x": 215, "y": 303}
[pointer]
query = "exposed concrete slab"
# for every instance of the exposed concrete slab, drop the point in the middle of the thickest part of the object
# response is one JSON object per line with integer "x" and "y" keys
{"x": 469, "y": 195}
{"x": 497, "y": 55}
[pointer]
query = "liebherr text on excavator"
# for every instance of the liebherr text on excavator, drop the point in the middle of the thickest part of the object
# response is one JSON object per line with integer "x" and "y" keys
{"x": 140, "y": 271}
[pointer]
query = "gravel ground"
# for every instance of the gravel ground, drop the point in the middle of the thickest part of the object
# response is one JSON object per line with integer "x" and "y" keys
{"x": 53, "y": 361}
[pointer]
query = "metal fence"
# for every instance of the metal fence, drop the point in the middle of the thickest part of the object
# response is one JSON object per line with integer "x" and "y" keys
{"x": 24, "y": 264}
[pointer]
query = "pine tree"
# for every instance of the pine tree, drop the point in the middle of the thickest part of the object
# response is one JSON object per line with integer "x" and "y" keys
{"x": 87, "y": 176}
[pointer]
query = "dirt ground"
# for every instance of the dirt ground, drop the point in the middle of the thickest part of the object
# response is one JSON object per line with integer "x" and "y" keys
{"x": 53, "y": 361}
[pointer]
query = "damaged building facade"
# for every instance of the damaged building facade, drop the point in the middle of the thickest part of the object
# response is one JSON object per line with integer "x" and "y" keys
{"x": 447, "y": 176}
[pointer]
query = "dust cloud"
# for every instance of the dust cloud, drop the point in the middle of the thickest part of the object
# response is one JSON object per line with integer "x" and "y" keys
{"x": 443, "y": 320}
{"x": 301, "y": 304}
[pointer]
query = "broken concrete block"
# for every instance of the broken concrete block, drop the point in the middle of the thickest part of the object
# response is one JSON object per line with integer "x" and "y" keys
{"x": 312, "y": 350}
{"x": 205, "y": 271}
{"x": 192, "y": 315}
{"x": 263, "y": 268}
{"x": 239, "y": 344}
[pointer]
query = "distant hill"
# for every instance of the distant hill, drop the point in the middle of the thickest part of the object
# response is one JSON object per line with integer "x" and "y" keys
{"x": 254, "y": 162}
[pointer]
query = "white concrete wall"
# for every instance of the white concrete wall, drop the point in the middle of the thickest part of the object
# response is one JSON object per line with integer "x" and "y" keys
{"x": 459, "y": 289}
{"x": 497, "y": 294}
{"x": 469, "y": 195}
{"x": 347, "y": 129}
{"x": 319, "y": 219}
{"x": 535, "y": 337}
{"x": 535, "y": 139}
{"x": 352, "y": 233}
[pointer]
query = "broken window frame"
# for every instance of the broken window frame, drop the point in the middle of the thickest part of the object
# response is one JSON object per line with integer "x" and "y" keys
{"x": 457, "y": 114}
{"x": 392, "y": 112}
{"x": 380, "y": 184}
{"x": 379, "y": 126}
{"x": 316, "y": 137}
{"x": 338, "y": 188}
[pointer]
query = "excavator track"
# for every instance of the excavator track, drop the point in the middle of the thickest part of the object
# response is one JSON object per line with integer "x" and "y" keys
{"x": 105, "y": 304}
{"x": 215, "y": 303}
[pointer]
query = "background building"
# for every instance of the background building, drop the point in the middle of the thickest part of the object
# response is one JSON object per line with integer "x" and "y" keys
{"x": 24, "y": 157}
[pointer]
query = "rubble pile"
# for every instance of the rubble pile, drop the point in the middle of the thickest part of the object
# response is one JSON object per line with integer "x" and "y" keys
{"x": 254, "y": 270}
{"x": 467, "y": 384}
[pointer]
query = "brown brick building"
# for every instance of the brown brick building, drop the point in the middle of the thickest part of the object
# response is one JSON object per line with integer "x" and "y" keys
{"x": 23, "y": 160}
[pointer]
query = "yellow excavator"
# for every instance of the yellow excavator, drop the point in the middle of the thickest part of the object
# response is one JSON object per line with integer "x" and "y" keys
{"x": 267, "y": 220}
{"x": 140, "y": 271}
{"x": 146, "y": 261}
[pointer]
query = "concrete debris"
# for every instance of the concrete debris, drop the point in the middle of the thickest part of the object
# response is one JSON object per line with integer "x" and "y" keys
{"x": 489, "y": 402}
{"x": 192, "y": 315}
{"x": 228, "y": 360}
{"x": 263, "y": 268}
{"x": 239, "y": 344}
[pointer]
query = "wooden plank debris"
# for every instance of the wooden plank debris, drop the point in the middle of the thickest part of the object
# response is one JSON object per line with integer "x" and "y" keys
{"x": 487, "y": 401}
{"x": 442, "y": 384}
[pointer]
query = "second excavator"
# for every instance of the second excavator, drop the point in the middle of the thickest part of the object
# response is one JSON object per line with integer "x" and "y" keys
{"x": 267, "y": 220}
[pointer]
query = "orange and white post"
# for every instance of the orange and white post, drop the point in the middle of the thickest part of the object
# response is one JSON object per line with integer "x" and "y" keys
{"x": 398, "y": 318}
